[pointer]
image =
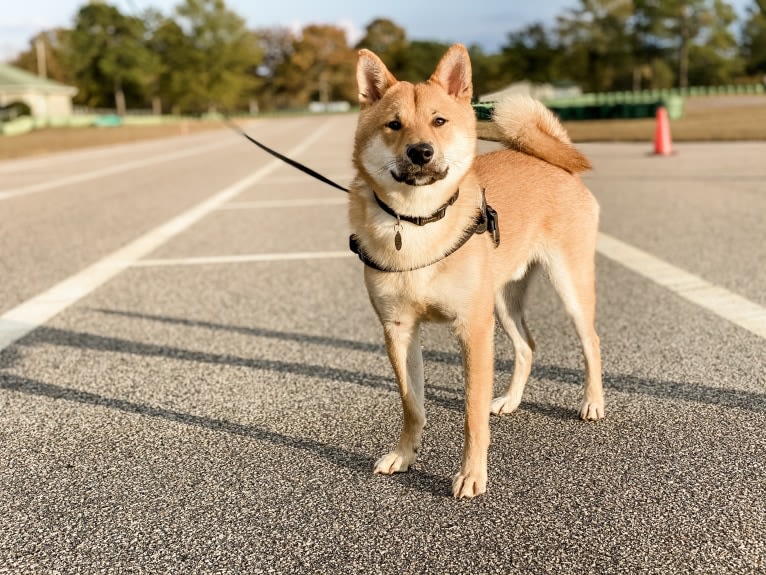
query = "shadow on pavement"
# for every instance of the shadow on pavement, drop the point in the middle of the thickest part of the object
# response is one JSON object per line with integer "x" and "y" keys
{"x": 448, "y": 397}
{"x": 414, "y": 479}
{"x": 661, "y": 389}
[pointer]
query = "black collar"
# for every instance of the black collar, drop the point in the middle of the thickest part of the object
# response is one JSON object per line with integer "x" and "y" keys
{"x": 418, "y": 220}
{"x": 356, "y": 247}
{"x": 485, "y": 220}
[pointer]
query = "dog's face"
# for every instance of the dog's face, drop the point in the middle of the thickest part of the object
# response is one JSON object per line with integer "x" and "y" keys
{"x": 413, "y": 136}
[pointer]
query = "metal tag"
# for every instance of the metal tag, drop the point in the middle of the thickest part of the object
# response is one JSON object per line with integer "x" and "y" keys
{"x": 493, "y": 225}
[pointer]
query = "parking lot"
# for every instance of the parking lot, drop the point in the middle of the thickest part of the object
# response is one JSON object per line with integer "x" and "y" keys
{"x": 192, "y": 379}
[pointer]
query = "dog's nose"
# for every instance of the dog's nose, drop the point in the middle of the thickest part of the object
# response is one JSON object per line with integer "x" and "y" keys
{"x": 420, "y": 154}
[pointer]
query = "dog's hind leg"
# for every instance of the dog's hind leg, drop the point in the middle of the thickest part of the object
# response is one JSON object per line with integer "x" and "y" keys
{"x": 403, "y": 346}
{"x": 509, "y": 308}
{"x": 575, "y": 281}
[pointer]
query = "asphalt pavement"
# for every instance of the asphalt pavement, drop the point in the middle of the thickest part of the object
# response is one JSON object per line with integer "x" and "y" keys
{"x": 197, "y": 383}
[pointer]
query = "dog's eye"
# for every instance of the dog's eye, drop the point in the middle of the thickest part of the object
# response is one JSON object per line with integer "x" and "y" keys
{"x": 394, "y": 125}
{"x": 439, "y": 121}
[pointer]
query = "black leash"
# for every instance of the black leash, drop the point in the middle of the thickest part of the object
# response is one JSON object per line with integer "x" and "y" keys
{"x": 285, "y": 159}
{"x": 486, "y": 219}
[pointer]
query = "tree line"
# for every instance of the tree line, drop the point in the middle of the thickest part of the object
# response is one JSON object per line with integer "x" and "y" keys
{"x": 202, "y": 57}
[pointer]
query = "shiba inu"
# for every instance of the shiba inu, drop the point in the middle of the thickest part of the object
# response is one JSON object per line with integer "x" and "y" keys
{"x": 451, "y": 237}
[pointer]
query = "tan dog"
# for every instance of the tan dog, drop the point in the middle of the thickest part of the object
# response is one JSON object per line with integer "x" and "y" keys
{"x": 415, "y": 158}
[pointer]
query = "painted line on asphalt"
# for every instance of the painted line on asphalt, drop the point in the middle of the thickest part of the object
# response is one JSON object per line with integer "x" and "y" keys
{"x": 720, "y": 301}
{"x": 108, "y": 171}
{"x": 67, "y": 157}
{"x": 302, "y": 178}
{"x": 22, "y": 319}
{"x": 243, "y": 259}
{"x": 288, "y": 203}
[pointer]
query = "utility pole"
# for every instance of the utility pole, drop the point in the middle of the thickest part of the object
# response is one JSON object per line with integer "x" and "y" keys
{"x": 42, "y": 66}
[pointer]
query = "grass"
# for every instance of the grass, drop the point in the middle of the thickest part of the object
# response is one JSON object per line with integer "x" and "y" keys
{"x": 705, "y": 119}
{"x": 49, "y": 140}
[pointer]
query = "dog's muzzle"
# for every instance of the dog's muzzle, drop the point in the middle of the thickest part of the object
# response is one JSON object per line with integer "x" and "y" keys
{"x": 418, "y": 167}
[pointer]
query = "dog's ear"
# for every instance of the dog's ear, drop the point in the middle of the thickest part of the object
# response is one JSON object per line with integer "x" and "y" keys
{"x": 372, "y": 77}
{"x": 453, "y": 73}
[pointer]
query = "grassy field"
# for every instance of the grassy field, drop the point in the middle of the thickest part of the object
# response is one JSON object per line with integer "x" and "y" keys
{"x": 50, "y": 140}
{"x": 705, "y": 119}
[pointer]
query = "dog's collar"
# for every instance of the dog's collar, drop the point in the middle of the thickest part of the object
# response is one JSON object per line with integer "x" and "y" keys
{"x": 418, "y": 220}
{"x": 485, "y": 220}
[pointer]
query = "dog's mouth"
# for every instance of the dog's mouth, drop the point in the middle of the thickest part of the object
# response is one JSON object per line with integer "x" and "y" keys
{"x": 419, "y": 176}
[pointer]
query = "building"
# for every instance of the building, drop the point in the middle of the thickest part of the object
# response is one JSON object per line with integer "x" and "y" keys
{"x": 45, "y": 98}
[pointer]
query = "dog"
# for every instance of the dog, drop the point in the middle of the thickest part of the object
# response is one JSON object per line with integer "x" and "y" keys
{"x": 449, "y": 236}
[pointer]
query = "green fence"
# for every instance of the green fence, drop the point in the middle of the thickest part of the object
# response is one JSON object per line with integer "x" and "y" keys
{"x": 613, "y": 105}
{"x": 639, "y": 104}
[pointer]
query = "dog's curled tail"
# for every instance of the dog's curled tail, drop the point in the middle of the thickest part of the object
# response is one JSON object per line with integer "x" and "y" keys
{"x": 528, "y": 126}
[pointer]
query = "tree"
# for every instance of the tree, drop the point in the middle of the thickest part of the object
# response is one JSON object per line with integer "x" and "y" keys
{"x": 174, "y": 81}
{"x": 754, "y": 39}
{"x": 530, "y": 54}
{"x": 277, "y": 48}
{"x": 715, "y": 59}
{"x": 680, "y": 24}
{"x": 220, "y": 57}
{"x": 54, "y": 44}
{"x": 422, "y": 58}
{"x": 486, "y": 72}
{"x": 202, "y": 57}
{"x": 409, "y": 60}
{"x": 320, "y": 68}
{"x": 389, "y": 41}
{"x": 108, "y": 58}
{"x": 597, "y": 45}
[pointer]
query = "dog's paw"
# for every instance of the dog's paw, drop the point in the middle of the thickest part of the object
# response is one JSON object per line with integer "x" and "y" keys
{"x": 592, "y": 410}
{"x": 469, "y": 484}
{"x": 394, "y": 462}
{"x": 503, "y": 404}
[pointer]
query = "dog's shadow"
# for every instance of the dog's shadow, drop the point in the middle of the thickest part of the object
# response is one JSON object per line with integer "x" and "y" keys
{"x": 445, "y": 396}
{"x": 338, "y": 456}
{"x": 451, "y": 397}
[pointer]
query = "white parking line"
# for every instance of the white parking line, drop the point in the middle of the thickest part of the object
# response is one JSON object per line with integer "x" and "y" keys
{"x": 19, "y": 321}
{"x": 720, "y": 301}
{"x": 303, "y": 178}
{"x": 108, "y": 171}
{"x": 25, "y": 317}
{"x": 716, "y": 299}
{"x": 287, "y": 203}
{"x": 55, "y": 160}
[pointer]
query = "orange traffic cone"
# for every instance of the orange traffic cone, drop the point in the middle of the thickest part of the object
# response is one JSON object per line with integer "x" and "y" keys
{"x": 662, "y": 144}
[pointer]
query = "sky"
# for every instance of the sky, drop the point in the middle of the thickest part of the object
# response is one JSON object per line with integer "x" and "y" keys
{"x": 482, "y": 22}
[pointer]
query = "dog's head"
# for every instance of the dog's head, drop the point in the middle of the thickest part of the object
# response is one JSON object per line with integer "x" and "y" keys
{"x": 415, "y": 135}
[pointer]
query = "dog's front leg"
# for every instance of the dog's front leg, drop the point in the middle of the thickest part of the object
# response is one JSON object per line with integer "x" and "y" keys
{"x": 477, "y": 341}
{"x": 403, "y": 345}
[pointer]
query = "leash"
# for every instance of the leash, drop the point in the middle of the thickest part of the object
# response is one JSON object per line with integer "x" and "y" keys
{"x": 485, "y": 220}
{"x": 285, "y": 159}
